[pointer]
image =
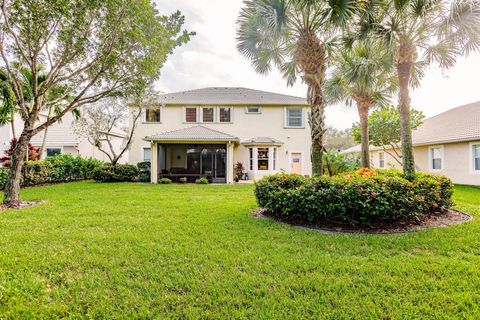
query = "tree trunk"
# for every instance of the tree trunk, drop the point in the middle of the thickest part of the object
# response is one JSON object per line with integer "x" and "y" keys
{"x": 12, "y": 185}
{"x": 318, "y": 128}
{"x": 12, "y": 123}
{"x": 365, "y": 143}
{"x": 404, "y": 70}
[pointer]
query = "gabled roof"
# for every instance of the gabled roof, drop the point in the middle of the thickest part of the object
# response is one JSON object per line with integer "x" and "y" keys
{"x": 229, "y": 96}
{"x": 457, "y": 124}
{"x": 195, "y": 133}
{"x": 262, "y": 141}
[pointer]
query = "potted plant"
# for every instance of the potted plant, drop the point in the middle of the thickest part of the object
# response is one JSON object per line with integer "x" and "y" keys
{"x": 238, "y": 169}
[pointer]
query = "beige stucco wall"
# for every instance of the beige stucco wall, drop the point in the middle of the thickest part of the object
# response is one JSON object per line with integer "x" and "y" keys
{"x": 270, "y": 123}
{"x": 457, "y": 161}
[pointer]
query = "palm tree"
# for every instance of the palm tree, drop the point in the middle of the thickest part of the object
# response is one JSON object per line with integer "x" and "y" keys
{"x": 295, "y": 36}
{"x": 418, "y": 33}
{"x": 362, "y": 73}
{"x": 7, "y": 102}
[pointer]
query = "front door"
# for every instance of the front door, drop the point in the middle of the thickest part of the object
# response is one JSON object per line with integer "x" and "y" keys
{"x": 296, "y": 165}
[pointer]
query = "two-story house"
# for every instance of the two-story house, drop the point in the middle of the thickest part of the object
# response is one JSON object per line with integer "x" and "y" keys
{"x": 204, "y": 132}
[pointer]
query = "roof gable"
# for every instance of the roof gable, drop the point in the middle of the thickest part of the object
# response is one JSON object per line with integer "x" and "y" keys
{"x": 195, "y": 133}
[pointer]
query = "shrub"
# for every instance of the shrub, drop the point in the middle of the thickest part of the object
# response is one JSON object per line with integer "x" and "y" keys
{"x": 201, "y": 181}
{"x": 144, "y": 171}
{"x": 164, "y": 181}
{"x": 3, "y": 177}
{"x": 183, "y": 179}
{"x": 364, "y": 197}
{"x": 117, "y": 173}
{"x": 335, "y": 163}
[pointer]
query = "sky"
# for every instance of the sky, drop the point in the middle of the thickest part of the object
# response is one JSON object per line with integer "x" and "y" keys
{"x": 211, "y": 59}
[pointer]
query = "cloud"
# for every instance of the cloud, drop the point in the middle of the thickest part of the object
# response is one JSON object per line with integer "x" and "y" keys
{"x": 211, "y": 59}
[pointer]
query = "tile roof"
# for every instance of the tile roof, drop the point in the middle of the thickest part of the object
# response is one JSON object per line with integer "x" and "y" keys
{"x": 262, "y": 140}
{"x": 230, "y": 96}
{"x": 195, "y": 133}
{"x": 455, "y": 125}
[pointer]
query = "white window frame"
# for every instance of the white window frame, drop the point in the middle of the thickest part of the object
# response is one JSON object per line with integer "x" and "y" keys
{"x": 285, "y": 112}
{"x": 46, "y": 150}
{"x": 184, "y": 114}
{"x": 247, "y": 111}
{"x": 380, "y": 160}
{"x": 143, "y": 154}
{"x": 430, "y": 158}
{"x": 201, "y": 114}
{"x": 231, "y": 114}
{"x": 472, "y": 155}
{"x": 145, "y": 115}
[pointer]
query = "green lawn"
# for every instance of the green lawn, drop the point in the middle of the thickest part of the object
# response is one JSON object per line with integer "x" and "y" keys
{"x": 187, "y": 251}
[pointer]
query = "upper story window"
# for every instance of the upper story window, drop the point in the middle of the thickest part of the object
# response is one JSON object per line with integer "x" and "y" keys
{"x": 208, "y": 114}
{"x": 381, "y": 160}
{"x": 294, "y": 117}
{"x": 152, "y": 115}
{"x": 476, "y": 157}
{"x": 191, "y": 114}
{"x": 253, "y": 110}
{"x": 225, "y": 114}
{"x": 436, "y": 158}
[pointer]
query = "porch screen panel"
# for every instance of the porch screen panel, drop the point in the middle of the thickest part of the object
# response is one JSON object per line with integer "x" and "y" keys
{"x": 193, "y": 160}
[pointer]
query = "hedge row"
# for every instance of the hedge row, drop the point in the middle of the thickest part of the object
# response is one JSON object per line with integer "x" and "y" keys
{"x": 365, "y": 197}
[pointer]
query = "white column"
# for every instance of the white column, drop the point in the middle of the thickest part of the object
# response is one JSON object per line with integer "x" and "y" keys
{"x": 154, "y": 163}
{"x": 230, "y": 162}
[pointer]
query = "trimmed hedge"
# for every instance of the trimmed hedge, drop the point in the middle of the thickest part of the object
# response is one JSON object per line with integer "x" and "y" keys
{"x": 144, "y": 171}
{"x": 3, "y": 177}
{"x": 365, "y": 197}
{"x": 117, "y": 173}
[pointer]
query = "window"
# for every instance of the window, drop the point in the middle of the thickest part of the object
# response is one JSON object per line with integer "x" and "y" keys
{"x": 381, "y": 160}
{"x": 147, "y": 154}
{"x": 436, "y": 158}
{"x": 476, "y": 157}
{"x": 262, "y": 157}
{"x": 152, "y": 115}
{"x": 225, "y": 114}
{"x": 52, "y": 152}
{"x": 274, "y": 164}
{"x": 253, "y": 110}
{"x": 250, "y": 153}
{"x": 207, "y": 114}
{"x": 190, "y": 114}
{"x": 294, "y": 118}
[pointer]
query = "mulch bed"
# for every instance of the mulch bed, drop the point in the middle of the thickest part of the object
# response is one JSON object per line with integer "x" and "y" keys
{"x": 23, "y": 204}
{"x": 443, "y": 219}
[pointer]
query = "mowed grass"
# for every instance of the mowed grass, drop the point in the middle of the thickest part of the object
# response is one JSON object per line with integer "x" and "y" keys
{"x": 190, "y": 252}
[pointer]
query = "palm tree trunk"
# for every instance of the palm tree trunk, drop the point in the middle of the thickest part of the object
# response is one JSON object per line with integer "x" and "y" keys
{"x": 404, "y": 70}
{"x": 317, "y": 127}
{"x": 365, "y": 143}
{"x": 12, "y": 185}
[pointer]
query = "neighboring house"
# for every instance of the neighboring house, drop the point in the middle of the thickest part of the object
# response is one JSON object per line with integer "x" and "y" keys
{"x": 448, "y": 143}
{"x": 204, "y": 132}
{"x": 61, "y": 139}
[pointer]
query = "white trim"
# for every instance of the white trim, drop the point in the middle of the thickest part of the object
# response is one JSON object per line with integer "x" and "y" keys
{"x": 290, "y": 161}
{"x": 285, "y": 118}
{"x": 442, "y": 158}
{"x": 258, "y": 107}
{"x": 471, "y": 157}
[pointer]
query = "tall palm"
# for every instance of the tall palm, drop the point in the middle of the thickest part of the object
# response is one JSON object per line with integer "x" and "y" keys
{"x": 421, "y": 32}
{"x": 363, "y": 74}
{"x": 295, "y": 36}
{"x": 7, "y": 101}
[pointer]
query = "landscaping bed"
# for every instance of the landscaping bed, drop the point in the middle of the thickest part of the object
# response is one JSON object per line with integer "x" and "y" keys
{"x": 362, "y": 200}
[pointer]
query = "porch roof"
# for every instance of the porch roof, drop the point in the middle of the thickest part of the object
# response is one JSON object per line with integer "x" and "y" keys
{"x": 195, "y": 133}
{"x": 262, "y": 141}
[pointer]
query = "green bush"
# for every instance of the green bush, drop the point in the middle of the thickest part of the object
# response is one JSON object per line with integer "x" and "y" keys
{"x": 117, "y": 173}
{"x": 335, "y": 163}
{"x": 183, "y": 179}
{"x": 201, "y": 181}
{"x": 144, "y": 171}
{"x": 365, "y": 197}
{"x": 3, "y": 177}
{"x": 164, "y": 181}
